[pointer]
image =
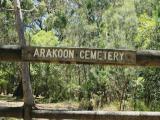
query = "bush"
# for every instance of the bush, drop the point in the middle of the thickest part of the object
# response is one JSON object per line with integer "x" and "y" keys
{"x": 86, "y": 105}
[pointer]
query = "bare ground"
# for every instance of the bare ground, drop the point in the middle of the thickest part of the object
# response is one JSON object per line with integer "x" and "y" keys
{"x": 9, "y": 101}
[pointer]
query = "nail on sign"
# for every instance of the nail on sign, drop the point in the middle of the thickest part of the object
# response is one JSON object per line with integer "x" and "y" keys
{"x": 79, "y": 55}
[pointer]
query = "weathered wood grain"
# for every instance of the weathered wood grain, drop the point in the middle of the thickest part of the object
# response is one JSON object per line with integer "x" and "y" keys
{"x": 95, "y": 115}
{"x": 10, "y": 53}
{"x": 136, "y": 58}
{"x": 79, "y": 55}
{"x": 11, "y": 112}
{"x": 17, "y": 112}
{"x": 148, "y": 58}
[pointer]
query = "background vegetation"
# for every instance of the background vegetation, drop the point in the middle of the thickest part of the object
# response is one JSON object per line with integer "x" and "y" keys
{"x": 121, "y": 24}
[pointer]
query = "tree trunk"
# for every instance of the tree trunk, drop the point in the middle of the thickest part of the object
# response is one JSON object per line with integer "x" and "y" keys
{"x": 28, "y": 97}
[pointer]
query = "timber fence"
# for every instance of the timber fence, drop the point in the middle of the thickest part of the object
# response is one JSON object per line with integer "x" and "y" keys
{"x": 17, "y": 112}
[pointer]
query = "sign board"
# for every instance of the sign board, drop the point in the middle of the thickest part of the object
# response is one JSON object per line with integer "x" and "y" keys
{"x": 79, "y": 55}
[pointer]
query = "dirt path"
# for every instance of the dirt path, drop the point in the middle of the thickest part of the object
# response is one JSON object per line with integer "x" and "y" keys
{"x": 9, "y": 101}
{"x": 57, "y": 106}
{"x": 10, "y": 104}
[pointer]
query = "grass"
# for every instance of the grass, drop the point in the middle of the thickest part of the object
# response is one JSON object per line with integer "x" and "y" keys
{"x": 8, "y": 100}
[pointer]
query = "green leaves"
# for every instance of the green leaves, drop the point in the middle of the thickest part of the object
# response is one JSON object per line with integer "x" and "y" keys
{"x": 119, "y": 26}
{"x": 146, "y": 32}
{"x": 7, "y": 4}
{"x": 3, "y": 83}
{"x": 43, "y": 38}
{"x": 60, "y": 21}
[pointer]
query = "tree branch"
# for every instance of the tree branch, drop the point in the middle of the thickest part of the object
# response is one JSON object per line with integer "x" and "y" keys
{"x": 23, "y": 10}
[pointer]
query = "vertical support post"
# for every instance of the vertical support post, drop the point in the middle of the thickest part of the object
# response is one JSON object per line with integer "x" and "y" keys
{"x": 27, "y": 89}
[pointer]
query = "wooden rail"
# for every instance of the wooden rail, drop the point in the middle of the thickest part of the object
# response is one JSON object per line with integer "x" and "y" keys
{"x": 10, "y": 53}
{"x": 96, "y": 115}
{"x": 142, "y": 58}
{"x": 148, "y": 58}
{"x": 17, "y": 112}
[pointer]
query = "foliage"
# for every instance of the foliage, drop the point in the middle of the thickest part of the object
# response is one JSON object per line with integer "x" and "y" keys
{"x": 43, "y": 38}
{"x": 146, "y": 32}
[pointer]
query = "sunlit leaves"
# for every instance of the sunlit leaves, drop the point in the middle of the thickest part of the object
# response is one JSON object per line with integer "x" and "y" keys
{"x": 43, "y": 38}
{"x": 146, "y": 32}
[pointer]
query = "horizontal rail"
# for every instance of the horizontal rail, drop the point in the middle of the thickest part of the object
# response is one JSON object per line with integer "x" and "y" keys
{"x": 142, "y": 57}
{"x": 95, "y": 115}
{"x": 10, "y": 53}
{"x": 148, "y": 58}
{"x": 17, "y": 112}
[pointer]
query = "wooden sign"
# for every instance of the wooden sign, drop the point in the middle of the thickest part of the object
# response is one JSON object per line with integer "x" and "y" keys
{"x": 79, "y": 55}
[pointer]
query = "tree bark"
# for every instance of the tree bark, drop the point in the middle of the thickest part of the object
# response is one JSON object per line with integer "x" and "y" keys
{"x": 28, "y": 97}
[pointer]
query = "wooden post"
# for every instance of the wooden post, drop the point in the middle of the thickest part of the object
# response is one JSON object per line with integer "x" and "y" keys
{"x": 28, "y": 97}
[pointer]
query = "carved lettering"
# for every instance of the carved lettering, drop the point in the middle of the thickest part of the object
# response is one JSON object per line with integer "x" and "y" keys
{"x": 49, "y": 53}
{"x": 87, "y": 54}
{"x": 110, "y": 56}
{"x": 36, "y": 53}
{"x": 93, "y": 55}
{"x": 71, "y": 54}
{"x": 121, "y": 56}
{"x": 82, "y": 55}
{"x": 42, "y": 52}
